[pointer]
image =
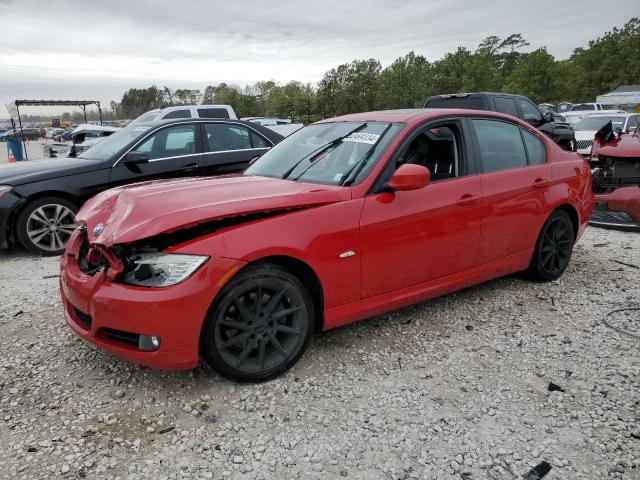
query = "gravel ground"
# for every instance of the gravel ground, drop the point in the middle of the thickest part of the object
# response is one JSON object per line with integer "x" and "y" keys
{"x": 456, "y": 385}
{"x": 35, "y": 150}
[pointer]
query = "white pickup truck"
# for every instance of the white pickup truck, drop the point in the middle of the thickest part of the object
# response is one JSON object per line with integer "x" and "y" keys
{"x": 579, "y": 111}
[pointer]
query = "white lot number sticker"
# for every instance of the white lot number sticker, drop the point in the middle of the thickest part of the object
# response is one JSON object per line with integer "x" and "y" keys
{"x": 360, "y": 137}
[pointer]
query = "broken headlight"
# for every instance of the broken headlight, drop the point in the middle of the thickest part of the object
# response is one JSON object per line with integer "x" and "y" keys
{"x": 161, "y": 269}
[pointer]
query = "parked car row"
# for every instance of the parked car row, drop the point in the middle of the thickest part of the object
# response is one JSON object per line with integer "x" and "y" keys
{"x": 40, "y": 198}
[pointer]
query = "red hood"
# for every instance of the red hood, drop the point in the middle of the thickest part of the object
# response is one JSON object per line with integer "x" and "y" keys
{"x": 143, "y": 210}
{"x": 626, "y": 145}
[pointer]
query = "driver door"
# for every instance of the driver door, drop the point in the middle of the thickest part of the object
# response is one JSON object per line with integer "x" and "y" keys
{"x": 172, "y": 151}
{"x": 413, "y": 237}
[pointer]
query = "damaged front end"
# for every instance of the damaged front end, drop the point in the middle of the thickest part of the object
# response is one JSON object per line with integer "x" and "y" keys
{"x": 615, "y": 163}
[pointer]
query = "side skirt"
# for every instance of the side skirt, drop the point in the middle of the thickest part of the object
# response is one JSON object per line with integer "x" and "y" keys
{"x": 368, "y": 307}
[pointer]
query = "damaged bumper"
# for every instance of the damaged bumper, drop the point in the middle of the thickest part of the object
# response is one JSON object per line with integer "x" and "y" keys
{"x": 618, "y": 210}
{"x": 122, "y": 319}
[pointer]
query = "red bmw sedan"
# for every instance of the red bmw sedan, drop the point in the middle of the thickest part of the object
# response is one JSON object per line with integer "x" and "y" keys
{"x": 345, "y": 219}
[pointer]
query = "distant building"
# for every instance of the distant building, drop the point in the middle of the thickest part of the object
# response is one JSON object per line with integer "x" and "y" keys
{"x": 626, "y": 97}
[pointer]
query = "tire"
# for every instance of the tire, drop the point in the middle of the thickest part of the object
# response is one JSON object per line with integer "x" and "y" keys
{"x": 44, "y": 225}
{"x": 245, "y": 340}
{"x": 553, "y": 248}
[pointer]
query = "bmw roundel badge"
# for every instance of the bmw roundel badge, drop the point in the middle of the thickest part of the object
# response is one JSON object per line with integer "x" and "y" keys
{"x": 97, "y": 229}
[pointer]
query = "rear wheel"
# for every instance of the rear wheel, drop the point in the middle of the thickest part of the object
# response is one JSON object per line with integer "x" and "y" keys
{"x": 45, "y": 225}
{"x": 553, "y": 248}
{"x": 260, "y": 325}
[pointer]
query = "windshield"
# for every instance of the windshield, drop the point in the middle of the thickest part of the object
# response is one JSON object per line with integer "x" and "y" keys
{"x": 115, "y": 143}
{"x": 319, "y": 154}
{"x": 582, "y": 107}
{"x": 146, "y": 117}
{"x": 596, "y": 123}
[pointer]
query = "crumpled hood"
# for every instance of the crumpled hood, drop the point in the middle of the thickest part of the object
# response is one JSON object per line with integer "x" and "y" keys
{"x": 625, "y": 145}
{"x": 143, "y": 210}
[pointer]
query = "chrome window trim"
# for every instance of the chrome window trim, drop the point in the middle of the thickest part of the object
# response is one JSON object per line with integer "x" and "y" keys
{"x": 236, "y": 150}
{"x": 152, "y": 160}
{"x": 194, "y": 122}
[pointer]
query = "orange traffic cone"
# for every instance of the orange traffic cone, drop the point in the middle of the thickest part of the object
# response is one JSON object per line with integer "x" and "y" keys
{"x": 12, "y": 159}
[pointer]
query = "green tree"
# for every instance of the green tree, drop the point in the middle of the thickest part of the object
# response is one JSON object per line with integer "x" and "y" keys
{"x": 405, "y": 83}
{"x": 136, "y": 101}
{"x": 534, "y": 76}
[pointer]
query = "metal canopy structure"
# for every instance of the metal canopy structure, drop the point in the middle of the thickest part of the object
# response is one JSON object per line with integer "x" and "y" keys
{"x": 14, "y": 109}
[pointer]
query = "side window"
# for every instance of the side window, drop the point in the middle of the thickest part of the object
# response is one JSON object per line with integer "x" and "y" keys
{"x": 178, "y": 114}
{"x": 213, "y": 113}
{"x": 221, "y": 137}
{"x": 438, "y": 149}
{"x": 259, "y": 141}
{"x": 536, "y": 150}
{"x": 500, "y": 145}
{"x": 170, "y": 142}
{"x": 529, "y": 111}
{"x": 506, "y": 105}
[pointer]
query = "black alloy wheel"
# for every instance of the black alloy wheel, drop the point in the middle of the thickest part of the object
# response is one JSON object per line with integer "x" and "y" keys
{"x": 260, "y": 324}
{"x": 553, "y": 248}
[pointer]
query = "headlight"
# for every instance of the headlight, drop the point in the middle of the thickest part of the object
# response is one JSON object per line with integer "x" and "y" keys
{"x": 4, "y": 189}
{"x": 162, "y": 269}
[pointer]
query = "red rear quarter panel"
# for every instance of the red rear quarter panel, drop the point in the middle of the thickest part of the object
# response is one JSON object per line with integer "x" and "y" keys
{"x": 571, "y": 184}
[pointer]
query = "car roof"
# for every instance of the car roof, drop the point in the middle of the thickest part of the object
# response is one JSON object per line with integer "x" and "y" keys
{"x": 610, "y": 113}
{"x": 270, "y": 134}
{"x": 413, "y": 114}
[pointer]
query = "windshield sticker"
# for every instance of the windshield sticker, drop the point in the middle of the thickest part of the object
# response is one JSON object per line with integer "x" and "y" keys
{"x": 141, "y": 129}
{"x": 360, "y": 137}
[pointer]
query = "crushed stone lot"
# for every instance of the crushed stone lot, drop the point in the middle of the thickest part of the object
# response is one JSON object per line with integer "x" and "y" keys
{"x": 456, "y": 385}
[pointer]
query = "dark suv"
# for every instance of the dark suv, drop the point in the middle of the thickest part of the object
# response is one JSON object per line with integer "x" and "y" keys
{"x": 514, "y": 105}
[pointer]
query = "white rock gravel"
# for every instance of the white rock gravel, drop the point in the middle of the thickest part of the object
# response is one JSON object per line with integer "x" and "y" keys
{"x": 455, "y": 385}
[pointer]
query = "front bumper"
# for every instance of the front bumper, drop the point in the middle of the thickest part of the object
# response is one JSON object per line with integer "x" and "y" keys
{"x": 9, "y": 203}
{"x": 619, "y": 210}
{"x": 95, "y": 308}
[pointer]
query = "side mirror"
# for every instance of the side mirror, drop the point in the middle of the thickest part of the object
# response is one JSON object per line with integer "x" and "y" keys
{"x": 136, "y": 158}
{"x": 409, "y": 177}
{"x": 548, "y": 117}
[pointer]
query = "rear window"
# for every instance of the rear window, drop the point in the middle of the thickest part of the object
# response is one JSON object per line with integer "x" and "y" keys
{"x": 178, "y": 114}
{"x": 213, "y": 113}
{"x": 472, "y": 103}
{"x": 583, "y": 107}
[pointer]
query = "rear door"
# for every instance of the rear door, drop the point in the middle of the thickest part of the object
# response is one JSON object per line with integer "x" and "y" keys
{"x": 173, "y": 151}
{"x": 515, "y": 178}
{"x": 228, "y": 147}
{"x": 412, "y": 237}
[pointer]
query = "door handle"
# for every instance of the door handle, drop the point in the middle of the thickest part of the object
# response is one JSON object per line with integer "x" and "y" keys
{"x": 467, "y": 199}
{"x": 540, "y": 183}
{"x": 190, "y": 167}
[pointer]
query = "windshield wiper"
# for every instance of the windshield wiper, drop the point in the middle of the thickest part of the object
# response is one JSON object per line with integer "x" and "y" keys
{"x": 347, "y": 177}
{"x": 318, "y": 151}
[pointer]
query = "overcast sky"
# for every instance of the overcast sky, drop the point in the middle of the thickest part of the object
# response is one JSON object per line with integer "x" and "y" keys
{"x": 66, "y": 49}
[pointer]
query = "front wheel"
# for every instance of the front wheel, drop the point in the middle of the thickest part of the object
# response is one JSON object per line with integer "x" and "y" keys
{"x": 260, "y": 324}
{"x": 45, "y": 225}
{"x": 553, "y": 248}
